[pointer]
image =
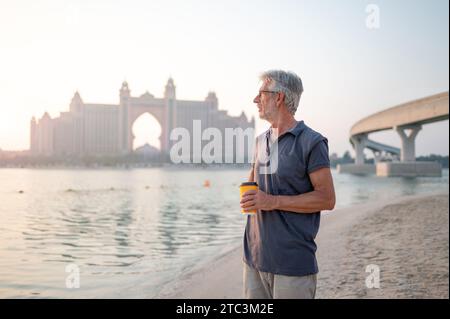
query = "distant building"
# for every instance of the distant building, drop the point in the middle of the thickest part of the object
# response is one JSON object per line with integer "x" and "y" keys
{"x": 147, "y": 151}
{"x": 105, "y": 129}
{"x": 334, "y": 157}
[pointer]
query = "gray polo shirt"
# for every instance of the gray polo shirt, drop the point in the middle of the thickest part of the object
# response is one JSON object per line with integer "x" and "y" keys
{"x": 277, "y": 241}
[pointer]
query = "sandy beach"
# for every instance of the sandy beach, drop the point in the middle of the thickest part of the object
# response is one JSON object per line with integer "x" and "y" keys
{"x": 406, "y": 238}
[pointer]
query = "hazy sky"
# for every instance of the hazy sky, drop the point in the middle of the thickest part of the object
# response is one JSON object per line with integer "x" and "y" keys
{"x": 49, "y": 49}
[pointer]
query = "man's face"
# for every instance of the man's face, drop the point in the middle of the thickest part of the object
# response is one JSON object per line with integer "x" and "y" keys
{"x": 266, "y": 101}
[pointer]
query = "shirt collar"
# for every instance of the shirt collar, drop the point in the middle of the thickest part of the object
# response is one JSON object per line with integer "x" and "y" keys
{"x": 296, "y": 130}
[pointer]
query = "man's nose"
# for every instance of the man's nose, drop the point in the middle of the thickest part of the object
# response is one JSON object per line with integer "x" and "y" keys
{"x": 256, "y": 99}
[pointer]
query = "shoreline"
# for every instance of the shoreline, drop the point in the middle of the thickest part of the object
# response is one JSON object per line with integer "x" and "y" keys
{"x": 407, "y": 238}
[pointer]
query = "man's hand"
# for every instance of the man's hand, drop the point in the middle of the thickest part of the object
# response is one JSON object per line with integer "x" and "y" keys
{"x": 258, "y": 200}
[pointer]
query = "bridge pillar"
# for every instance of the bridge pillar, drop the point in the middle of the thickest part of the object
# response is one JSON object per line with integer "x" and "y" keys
{"x": 408, "y": 152}
{"x": 377, "y": 156}
{"x": 359, "y": 143}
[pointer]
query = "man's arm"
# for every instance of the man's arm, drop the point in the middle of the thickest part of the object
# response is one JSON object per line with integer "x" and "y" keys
{"x": 321, "y": 198}
{"x": 251, "y": 177}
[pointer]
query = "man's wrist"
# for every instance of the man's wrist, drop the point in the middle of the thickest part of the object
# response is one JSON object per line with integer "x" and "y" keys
{"x": 275, "y": 202}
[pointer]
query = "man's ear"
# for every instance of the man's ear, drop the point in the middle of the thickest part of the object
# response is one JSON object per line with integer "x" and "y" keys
{"x": 280, "y": 98}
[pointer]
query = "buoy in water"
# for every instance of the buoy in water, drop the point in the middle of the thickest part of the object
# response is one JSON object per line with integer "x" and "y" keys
{"x": 206, "y": 183}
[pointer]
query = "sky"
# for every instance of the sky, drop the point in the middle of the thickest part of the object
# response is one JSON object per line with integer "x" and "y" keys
{"x": 50, "y": 49}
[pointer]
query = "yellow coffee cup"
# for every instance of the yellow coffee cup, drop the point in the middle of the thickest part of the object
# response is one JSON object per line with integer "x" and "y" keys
{"x": 245, "y": 187}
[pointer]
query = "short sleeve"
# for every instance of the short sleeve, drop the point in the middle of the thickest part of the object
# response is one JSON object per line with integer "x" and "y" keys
{"x": 318, "y": 157}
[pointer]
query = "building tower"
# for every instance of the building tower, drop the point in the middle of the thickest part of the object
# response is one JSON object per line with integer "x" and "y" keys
{"x": 33, "y": 136}
{"x": 76, "y": 105}
{"x": 125, "y": 145}
{"x": 170, "y": 115}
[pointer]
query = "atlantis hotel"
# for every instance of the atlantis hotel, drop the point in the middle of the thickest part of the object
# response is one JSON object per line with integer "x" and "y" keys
{"x": 105, "y": 129}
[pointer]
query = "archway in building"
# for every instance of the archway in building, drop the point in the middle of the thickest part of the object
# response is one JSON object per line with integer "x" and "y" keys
{"x": 146, "y": 131}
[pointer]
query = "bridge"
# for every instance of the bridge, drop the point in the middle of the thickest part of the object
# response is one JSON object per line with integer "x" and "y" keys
{"x": 406, "y": 119}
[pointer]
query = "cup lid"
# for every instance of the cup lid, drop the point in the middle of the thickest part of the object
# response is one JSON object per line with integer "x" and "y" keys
{"x": 249, "y": 184}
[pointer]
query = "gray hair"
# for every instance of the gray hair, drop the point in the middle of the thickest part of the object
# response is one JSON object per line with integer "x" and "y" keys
{"x": 287, "y": 82}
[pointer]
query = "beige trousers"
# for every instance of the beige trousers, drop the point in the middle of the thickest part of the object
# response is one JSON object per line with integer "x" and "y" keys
{"x": 264, "y": 285}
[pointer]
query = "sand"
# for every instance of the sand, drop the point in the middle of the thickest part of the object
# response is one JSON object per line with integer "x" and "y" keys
{"x": 407, "y": 239}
